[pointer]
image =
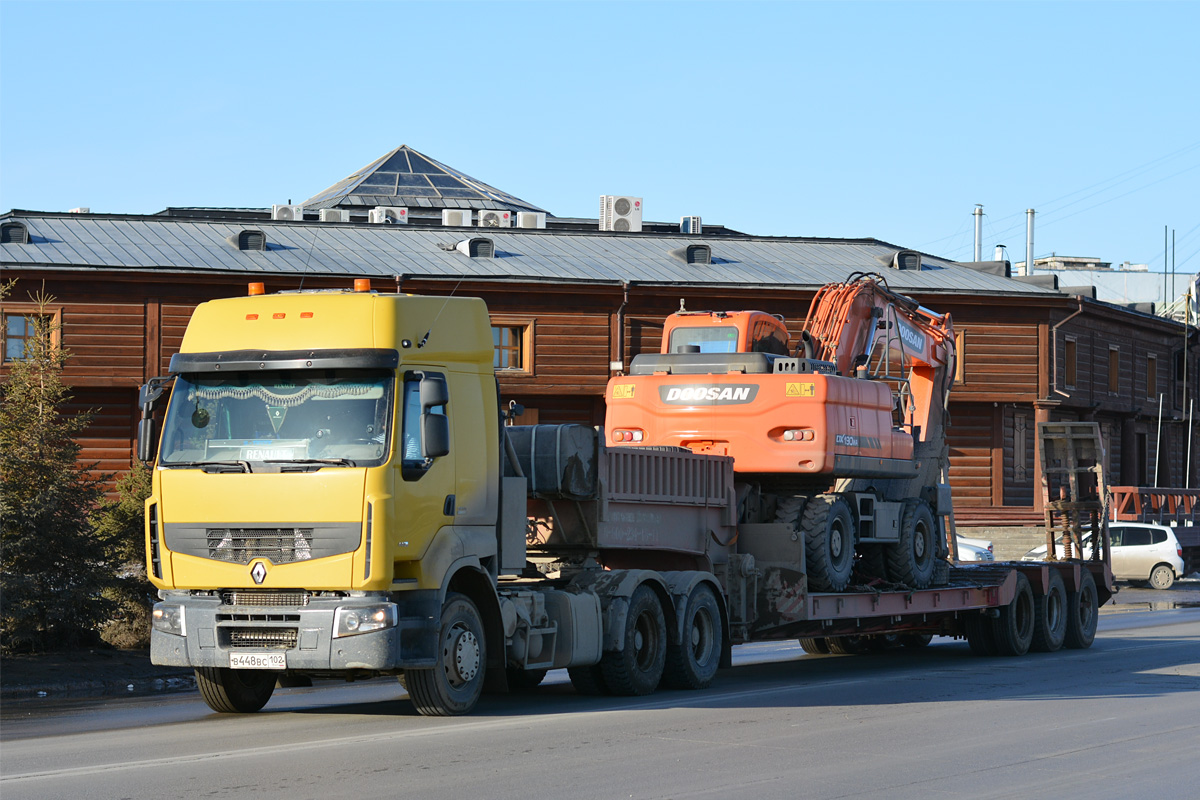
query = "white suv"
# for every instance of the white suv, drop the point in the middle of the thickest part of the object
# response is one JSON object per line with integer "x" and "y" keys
{"x": 1140, "y": 552}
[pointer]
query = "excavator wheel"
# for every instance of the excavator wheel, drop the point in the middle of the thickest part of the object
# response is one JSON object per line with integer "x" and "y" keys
{"x": 828, "y": 529}
{"x": 912, "y": 559}
{"x": 872, "y": 562}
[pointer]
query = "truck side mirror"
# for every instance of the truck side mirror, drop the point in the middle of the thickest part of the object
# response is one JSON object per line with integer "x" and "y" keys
{"x": 433, "y": 392}
{"x": 145, "y": 440}
{"x": 435, "y": 434}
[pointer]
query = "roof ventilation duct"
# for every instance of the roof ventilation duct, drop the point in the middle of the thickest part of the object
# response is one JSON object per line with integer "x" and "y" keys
{"x": 248, "y": 239}
{"x": 477, "y": 247}
{"x": 14, "y": 233}
{"x": 903, "y": 259}
{"x": 693, "y": 254}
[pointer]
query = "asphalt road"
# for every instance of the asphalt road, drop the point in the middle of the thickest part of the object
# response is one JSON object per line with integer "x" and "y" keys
{"x": 1118, "y": 720}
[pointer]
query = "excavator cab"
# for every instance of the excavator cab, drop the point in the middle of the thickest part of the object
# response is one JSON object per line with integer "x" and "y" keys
{"x": 724, "y": 332}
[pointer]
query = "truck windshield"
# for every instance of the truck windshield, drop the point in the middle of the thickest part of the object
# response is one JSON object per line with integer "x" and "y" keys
{"x": 710, "y": 340}
{"x": 334, "y": 418}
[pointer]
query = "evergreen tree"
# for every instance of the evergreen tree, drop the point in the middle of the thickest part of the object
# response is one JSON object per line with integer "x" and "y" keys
{"x": 52, "y": 566}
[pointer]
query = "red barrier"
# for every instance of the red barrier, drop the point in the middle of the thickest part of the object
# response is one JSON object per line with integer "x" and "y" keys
{"x": 1149, "y": 504}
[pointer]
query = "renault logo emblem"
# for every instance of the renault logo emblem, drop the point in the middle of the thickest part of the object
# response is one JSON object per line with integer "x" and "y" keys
{"x": 258, "y": 572}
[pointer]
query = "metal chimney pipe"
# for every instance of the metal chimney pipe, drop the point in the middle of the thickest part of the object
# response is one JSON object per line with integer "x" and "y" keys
{"x": 1001, "y": 253}
{"x": 978, "y": 212}
{"x": 1029, "y": 212}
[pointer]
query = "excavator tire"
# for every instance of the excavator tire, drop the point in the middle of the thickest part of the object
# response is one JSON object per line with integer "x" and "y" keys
{"x": 912, "y": 559}
{"x": 828, "y": 529}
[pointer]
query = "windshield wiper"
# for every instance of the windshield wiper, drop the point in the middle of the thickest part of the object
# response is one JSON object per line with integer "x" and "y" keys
{"x": 334, "y": 462}
{"x": 214, "y": 466}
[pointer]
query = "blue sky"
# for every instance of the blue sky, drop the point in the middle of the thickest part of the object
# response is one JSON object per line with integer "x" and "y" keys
{"x": 884, "y": 120}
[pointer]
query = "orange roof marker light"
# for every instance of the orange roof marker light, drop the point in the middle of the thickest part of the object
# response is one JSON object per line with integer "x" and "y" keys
{"x": 362, "y": 284}
{"x": 256, "y": 289}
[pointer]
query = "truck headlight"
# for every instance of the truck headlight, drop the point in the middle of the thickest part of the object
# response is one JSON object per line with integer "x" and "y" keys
{"x": 364, "y": 619}
{"x": 168, "y": 619}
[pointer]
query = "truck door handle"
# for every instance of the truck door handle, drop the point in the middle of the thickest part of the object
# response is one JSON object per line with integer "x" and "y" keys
{"x": 448, "y": 506}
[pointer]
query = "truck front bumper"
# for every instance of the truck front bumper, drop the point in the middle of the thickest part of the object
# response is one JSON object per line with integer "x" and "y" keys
{"x": 205, "y": 632}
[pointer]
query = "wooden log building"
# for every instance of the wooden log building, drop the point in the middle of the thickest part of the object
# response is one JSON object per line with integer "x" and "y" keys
{"x": 570, "y": 303}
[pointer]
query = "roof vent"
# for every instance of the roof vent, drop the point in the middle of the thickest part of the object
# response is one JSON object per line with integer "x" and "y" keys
{"x": 335, "y": 215}
{"x": 287, "y": 213}
{"x": 477, "y": 247}
{"x": 14, "y": 233}
{"x": 690, "y": 225}
{"x": 495, "y": 219}
{"x": 456, "y": 217}
{"x": 694, "y": 254}
{"x": 531, "y": 219}
{"x": 903, "y": 259}
{"x": 248, "y": 239}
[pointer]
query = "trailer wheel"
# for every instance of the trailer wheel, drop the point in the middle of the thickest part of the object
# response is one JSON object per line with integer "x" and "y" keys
{"x": 1050, "y": 615}
{"x": 848, "y": 645}
{"x": 912, "y": 559}
{"x": 1162, "y": 577}
{"x": 1013, "y": 629}
{"x": 815, "y": 646}
{"x": 588, "y": 680}
{"x": 916, "y": 639}
{"x": 1082, "y": 613}
{"x": 454, "y": 684}
{"x": 828, "y": 542}
{"x": 637, "y": 667}
{"x": 235, "y": 691}
{"x": 980, "y": 637}
{"x": 692, "y": 664}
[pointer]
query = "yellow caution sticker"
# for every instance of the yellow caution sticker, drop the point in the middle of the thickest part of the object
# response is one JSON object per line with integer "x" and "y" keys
{"x": 801, "y": 390}
{"x": 623, "y": 391}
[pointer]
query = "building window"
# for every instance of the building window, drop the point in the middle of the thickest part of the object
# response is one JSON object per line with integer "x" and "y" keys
{"x": 1152, "y": 377}
{"x": 21, "y": 326}
{"x": 1114, "y": 369}
{"x": 512, "y": 343}
{"x": 960, "y": 356}
{"x": 1070, "y": 362}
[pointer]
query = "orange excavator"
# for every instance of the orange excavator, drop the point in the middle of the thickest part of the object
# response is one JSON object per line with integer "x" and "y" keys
{"x": 842, "y": 439}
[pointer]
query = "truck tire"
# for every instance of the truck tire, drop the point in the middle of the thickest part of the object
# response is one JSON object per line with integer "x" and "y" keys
{"x": 454, "y": 684}
{"x": 526, "y": 679}
{"x": 588, "y": 680}
{"x": 1050, "y": 615}
{"x": 637, "y": 667}
{"x": 912, "y": 559}
{"x": 692, "y": 664}
{"x": 848, "y": 645}
{"x": 1162, "y": 577}
{"x": 1082, "y": 613}
{"x": 815, "y": 646}
{"x": 235, "y": 691}
{"x": 980, "y": 637}
{"x": 1013, "y": 629}
{"x": 828, "y": 542}
{"x": 916, "y": 639}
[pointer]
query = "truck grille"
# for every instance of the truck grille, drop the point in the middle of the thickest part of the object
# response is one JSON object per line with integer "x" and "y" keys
{"x": 252, "y": 597}
{"x": 270, "y": 638}
{"x": 242, "y": 545}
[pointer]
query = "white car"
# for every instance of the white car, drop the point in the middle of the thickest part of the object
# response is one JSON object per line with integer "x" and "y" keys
{"x": 1140, "y": 552}
{"x": 975, "y": 550}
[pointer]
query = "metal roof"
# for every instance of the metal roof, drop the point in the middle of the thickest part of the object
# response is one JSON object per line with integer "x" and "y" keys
{"x": 410, "y": 179}
{"x": 164, "y": 244}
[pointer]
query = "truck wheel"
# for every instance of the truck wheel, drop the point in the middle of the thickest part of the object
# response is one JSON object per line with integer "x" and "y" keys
{"x": 1162, "y": 577}
{"x": 1013, "y": 629}
{"x": 235, "y": 691}
{"x": 1082, "y": 613}
{"x": 828, "y": 542}
{"x": 979, "y": 634}
{"x": 847, "y": 645}
{"x": 637, "y": 667}
{"x": 818, "y": 646}
{"x": 519, "y": 679}
{"x": 453, "y": 686}
{"x": 692, "y": 664}
{"x": 588, "y": 680}
{"x": 912, "y": 559}
{"x": 1050, "y": 616}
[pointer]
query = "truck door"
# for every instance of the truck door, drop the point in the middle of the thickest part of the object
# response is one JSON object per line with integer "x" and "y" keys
{"x": 426, "y": 463}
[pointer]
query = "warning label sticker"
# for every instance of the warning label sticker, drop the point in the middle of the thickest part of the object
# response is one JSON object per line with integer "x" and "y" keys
{"x": 623, "y": 391}
{"x": 801, "y": 390}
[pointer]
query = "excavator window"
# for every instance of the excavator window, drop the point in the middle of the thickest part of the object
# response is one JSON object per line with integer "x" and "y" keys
{"x": 714, "y": 339}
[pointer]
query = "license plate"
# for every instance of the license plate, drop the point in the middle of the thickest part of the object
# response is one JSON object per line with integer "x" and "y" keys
{"x": 257, "y": 661}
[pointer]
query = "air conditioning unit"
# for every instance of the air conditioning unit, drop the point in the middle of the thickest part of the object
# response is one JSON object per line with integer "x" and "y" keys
{"x": 288, "y": 213}
{"x": 690, "y": 225}
{"x": 387, "y": 215}
{"x": 495, "y": 219}
{"x": 531, "y": 219}
{"x": 335, "y": 215}
{"x": 619, "y": 213}
{"x": 456, "y": 218}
